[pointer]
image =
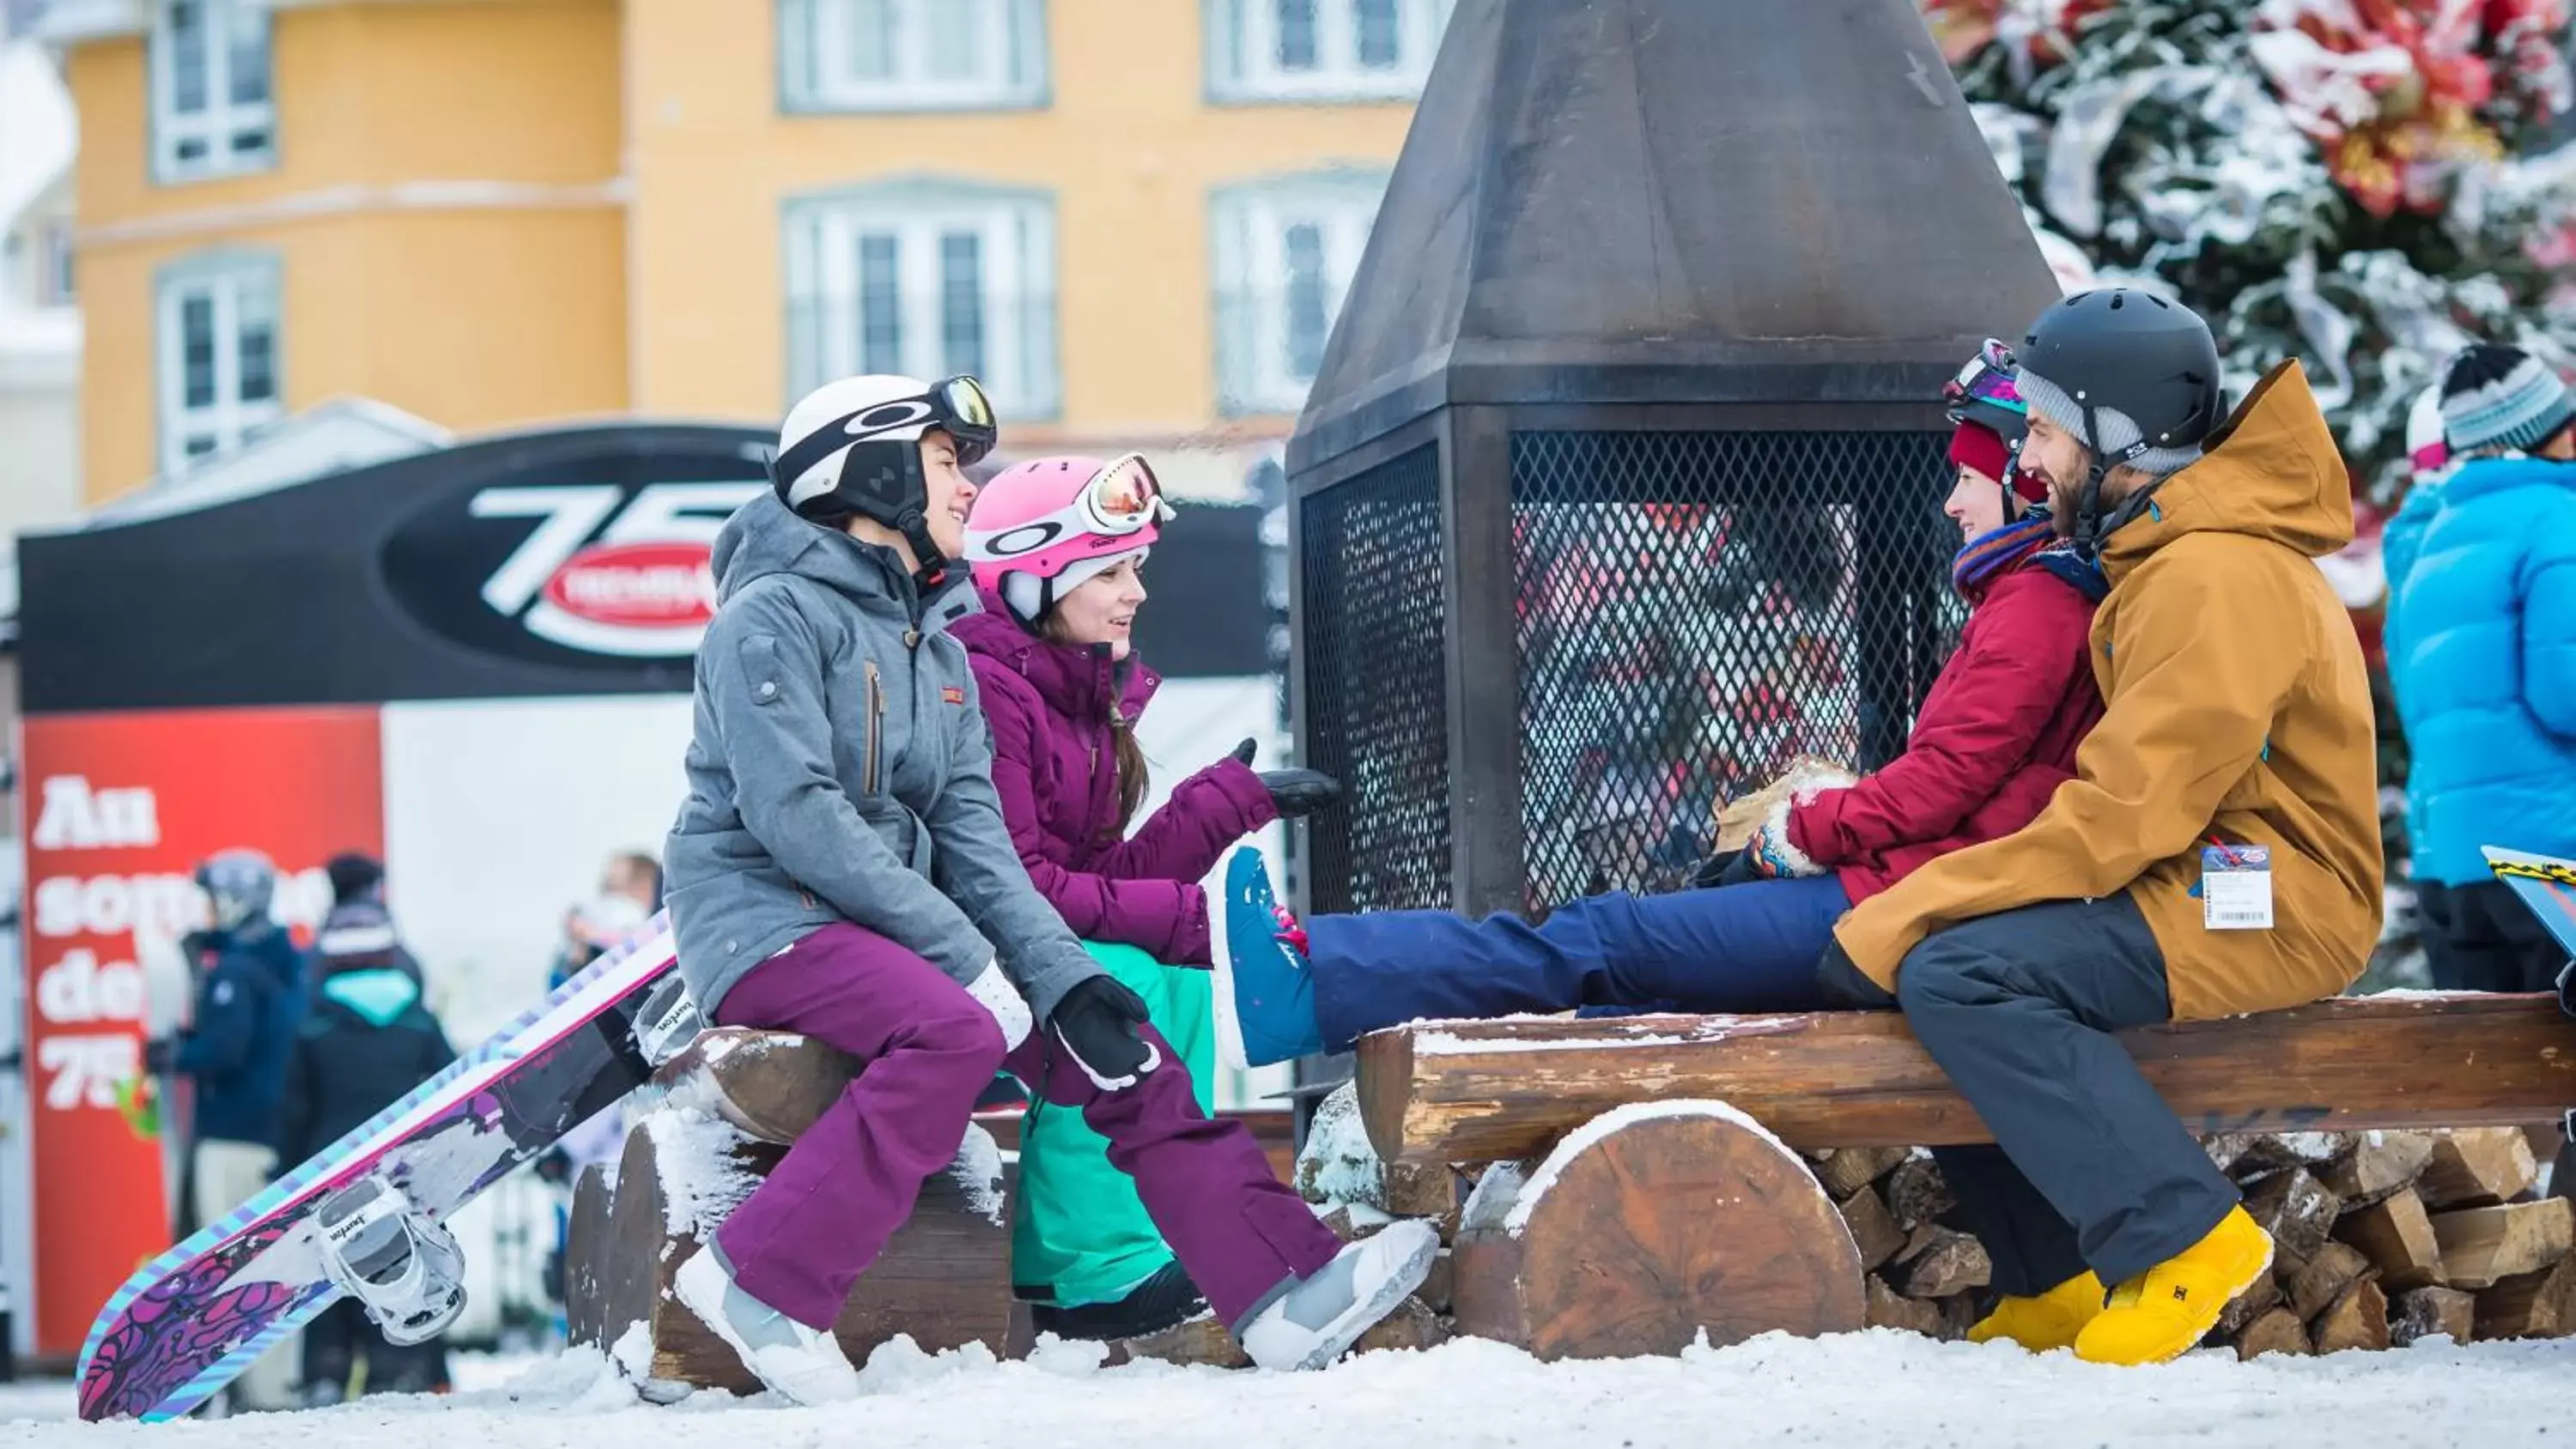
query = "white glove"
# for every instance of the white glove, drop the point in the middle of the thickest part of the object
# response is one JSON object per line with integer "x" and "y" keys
{"x": 1772, "y": 848}
{"x": 993, "y": 992}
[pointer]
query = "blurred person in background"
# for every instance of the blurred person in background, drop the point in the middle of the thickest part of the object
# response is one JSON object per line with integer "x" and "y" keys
{"x": 368, "y": 1041}
{"x": 250, "y": 1000}
{"x": 358, "y": 877}
{"x": 1058, "y": 547}
{"x": 2482, "y": 653}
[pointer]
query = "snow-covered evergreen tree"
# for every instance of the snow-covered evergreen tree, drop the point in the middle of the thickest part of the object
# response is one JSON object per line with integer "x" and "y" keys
{"x": 2349, "y": 181}
{"x": 2364, "y": 184}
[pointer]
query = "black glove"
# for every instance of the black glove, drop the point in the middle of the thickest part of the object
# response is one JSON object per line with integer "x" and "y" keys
{"x": 1096, "y": 1024}
{"x": 1300, "y": 792}
{"x": 158, "y": 1054}
{"x": 1734, "y": 867}
{"x": 1843, "y": 986}
{"x": 1243, "y": 753}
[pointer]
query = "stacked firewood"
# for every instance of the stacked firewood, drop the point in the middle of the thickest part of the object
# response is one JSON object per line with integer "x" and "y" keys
{"x": 2381, "y": 1238}
{"x": 2387, "y": 1237}
{"x": 1924, "y": 1273}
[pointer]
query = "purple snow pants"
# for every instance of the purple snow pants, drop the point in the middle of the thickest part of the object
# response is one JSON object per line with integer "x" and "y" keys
{"x": 803, "y": 1237}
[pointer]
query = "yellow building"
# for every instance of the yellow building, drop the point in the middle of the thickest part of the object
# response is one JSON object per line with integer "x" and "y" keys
{"x": 1133, "y": 218}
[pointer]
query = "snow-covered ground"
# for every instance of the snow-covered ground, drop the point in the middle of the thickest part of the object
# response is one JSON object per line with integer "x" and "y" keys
{"x": 1869, "y": 1390}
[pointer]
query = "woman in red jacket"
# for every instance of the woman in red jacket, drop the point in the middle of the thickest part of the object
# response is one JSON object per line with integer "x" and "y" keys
{"x": 1993, "y": 740}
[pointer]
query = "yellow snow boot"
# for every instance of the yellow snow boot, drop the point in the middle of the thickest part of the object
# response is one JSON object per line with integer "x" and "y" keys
{"x": 2162, "y": 1312}
{"x": 2049, "y": 1321}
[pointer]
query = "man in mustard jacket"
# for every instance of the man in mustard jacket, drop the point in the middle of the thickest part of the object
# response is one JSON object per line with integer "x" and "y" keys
{"x": 2216, "y": 853}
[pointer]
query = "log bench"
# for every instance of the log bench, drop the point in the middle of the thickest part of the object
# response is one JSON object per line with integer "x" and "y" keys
{"x": 1643, "y": 1180}
{"x": 716, "y": 1119}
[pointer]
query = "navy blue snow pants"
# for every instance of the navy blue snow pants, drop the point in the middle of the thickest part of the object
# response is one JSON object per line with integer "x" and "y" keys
{"x": 1742, "y": 948}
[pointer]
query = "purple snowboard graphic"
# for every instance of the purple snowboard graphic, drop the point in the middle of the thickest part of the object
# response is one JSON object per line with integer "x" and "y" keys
{"x": 198, "y": 1315}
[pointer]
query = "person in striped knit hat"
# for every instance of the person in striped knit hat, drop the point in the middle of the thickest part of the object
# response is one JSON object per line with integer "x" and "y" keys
{"x": 2482, "y": 659}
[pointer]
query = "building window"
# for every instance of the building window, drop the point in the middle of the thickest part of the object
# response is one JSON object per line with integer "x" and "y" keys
{"x": 54, "y": 265}
{"x": 218, "y": 347}
{"x": 928, "y": 279}
{"x": 211, "y": 110}
{"x": 911, "y": 55}
{"x": 1322, "y": 50}
{"x": 1284, "y": 252}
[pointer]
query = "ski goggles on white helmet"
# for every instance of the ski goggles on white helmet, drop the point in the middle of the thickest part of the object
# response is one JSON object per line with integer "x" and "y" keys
{"x": 959, "y": 408}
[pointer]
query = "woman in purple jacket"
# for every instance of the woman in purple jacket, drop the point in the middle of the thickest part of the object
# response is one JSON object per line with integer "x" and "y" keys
{"x": 1058, "y": 545}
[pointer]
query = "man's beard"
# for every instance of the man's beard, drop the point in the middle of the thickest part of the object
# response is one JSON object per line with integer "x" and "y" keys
{"x": 2061, "y": 510}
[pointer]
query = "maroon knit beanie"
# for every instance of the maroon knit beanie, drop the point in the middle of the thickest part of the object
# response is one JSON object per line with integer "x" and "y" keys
{"x": 1974, "y": 445}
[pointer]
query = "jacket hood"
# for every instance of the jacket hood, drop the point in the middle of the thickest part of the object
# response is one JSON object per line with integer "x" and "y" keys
{"x": 1075, "y": 680}
{"x": 764, "y": 538}
{"x": 2479, "y": 477}
{"x": 2271, "y": 472}
{"x": 378, "y": 994}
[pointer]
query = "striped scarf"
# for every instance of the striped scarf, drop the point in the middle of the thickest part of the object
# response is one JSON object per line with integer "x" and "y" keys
{"x": 1990, "y": 555}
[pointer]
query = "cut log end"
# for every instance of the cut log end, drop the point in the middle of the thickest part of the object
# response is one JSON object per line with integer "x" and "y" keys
{"x": 2430, "y": 1312}
{"x": 771, "y": 1085}
{"x": 1650, "y": 1226}
{"x": 2357, "y": 1319}
{"x": 2278, "y": 1331}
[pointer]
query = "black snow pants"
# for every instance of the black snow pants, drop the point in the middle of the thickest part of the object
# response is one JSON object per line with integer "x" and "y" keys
{"x": 2089, "y": 1167}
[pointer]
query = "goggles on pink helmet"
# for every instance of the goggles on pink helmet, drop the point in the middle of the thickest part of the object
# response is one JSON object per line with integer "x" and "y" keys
{"x": 1044, "y": 526}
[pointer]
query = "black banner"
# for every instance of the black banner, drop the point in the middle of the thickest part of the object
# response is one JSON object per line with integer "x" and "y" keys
{"x": 552, "y": 563}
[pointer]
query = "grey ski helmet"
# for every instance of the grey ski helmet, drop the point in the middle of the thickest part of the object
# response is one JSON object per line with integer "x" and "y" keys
{"x": 2132, "y": 375}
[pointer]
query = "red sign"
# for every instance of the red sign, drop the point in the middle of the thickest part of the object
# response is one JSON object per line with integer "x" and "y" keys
{"x": 644, "y": 584}
{"x": 119, "y": 810}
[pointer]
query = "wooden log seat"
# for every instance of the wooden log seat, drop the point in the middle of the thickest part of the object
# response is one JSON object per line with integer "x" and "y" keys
{"x": 1648, "y": 1226}
{"x": 1484, "y": 1091}
{"x": 1642, "y": 1178}
{"x": 714, "y": 1120}
{"x": 944, "y": 1277}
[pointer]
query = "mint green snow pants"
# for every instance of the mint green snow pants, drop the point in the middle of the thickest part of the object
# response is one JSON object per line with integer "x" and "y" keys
{"x": 1079, "y": 1228}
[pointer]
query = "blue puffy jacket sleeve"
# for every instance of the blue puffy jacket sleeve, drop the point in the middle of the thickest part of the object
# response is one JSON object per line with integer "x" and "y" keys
{"x": 2548, "y": 643}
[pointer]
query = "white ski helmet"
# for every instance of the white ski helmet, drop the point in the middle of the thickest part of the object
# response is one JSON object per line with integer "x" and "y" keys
{"x": 2428, "y": 453}
{"x": 852, "y": 448}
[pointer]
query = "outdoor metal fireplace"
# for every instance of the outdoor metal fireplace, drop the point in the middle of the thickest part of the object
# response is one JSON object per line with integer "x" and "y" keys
{"x": 1620, "y": 482}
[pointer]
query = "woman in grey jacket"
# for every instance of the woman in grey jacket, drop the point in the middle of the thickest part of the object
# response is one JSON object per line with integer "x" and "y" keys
{"x": 841, "y": 868}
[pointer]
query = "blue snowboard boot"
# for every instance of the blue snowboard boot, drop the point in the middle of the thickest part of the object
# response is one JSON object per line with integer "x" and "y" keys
{"x": 1265, "y": 995}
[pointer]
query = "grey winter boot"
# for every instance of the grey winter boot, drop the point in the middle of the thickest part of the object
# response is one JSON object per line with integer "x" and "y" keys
{"x": 802, "y": 1363}
{"x": 1321, "y": 1316}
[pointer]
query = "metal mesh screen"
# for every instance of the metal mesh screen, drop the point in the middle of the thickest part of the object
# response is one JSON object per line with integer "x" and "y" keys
{"x": 1694, "y": 609}
{"x": 1371, "y": 566}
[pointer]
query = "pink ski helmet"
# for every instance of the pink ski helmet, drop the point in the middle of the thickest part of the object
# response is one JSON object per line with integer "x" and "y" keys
{"x": 1044, "y": 526}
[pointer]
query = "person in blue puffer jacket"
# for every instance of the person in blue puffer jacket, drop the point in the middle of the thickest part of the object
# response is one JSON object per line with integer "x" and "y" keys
{"x": 2482, "y": 657}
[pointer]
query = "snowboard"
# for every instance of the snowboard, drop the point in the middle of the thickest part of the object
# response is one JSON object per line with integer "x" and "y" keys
{"x": 195, "y": 1317}
{"x": 2547, "y": 885}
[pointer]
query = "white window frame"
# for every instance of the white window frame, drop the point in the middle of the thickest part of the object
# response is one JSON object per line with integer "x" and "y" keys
{"x": 1243, "y": 53}
{"x": 1008, "y": 72}
{"x": 232, "y": 283}
{"x": 222, "y": 121}
{"x": 56, "y": 280}
{"x": 1248, "y": 241}
{"x": 1015, "y": 230}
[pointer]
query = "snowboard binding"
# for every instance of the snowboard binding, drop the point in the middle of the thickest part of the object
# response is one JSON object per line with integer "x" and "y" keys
{"x": 667, "y": 1020}
{"x": 405, "y": 1270}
